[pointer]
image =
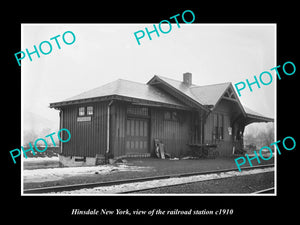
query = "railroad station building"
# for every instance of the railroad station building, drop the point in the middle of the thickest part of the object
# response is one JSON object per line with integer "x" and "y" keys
{"x": 124, "y": 118}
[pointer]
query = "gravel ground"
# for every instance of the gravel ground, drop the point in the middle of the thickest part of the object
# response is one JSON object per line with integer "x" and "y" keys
{"x": 135, "y": 186}
{"x": 158, "y": 167}
{"x": 240, "y": 184}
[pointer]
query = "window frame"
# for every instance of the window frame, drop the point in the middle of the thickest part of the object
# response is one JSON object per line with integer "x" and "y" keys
{"x": 137, "y": 111}
{"x": 88, "y": 111}
{"x": 169, "y": 117}
{"x": 79, "y": 111}
{"x": 221, "y": 128}
{"x": 173, "y": 115}
{"x": 218, "y": 127}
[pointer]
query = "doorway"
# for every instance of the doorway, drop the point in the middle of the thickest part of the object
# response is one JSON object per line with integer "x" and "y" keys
{"x": 137, "y": 136}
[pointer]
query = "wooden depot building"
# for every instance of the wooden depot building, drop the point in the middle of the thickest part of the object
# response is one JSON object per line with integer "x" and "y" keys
{"x": 124, "y": 118}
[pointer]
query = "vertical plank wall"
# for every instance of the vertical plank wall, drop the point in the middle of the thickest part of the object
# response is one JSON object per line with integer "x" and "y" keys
{"x": 225, "y": 145}
{"x": 88, "y": 138}
{"x": 118, "y": 128}
{"x": 174, "y": 134}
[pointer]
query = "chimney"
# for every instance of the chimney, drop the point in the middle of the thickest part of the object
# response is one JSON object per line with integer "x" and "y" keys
{"x": 187, "y": 78}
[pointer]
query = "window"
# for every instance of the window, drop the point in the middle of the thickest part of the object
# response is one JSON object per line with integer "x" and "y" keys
{"x": 221, "y": 125}
{"x": 215, "y": 129}
{"x": 174, "y": 116}
{"x": 167, "y": 115}
{"x": 89, "y": 110}
{"x": 137, "y": 111}
{"x": 81, "y": 111}
{"x": 218, "y": 127}
{"x": 171, "y": 115}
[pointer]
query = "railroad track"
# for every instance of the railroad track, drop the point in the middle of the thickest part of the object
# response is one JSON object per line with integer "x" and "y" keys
{"x": 264, "y": 191}
{"x": 55, "y": 189}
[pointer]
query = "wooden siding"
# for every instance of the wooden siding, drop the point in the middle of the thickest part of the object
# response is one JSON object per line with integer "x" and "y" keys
{"x": 174, "y": 134}
{"x": 118, "y": 128}
{"x": 88, "y": 138}
{"x": 228, "y": 110}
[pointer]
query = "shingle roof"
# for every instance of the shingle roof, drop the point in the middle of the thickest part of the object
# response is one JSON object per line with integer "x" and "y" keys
{"x": 251, "y": 112}
{"x": 130, "y": 89}
{"x": 204, "y": 95}
{"x": 208, "y": 94}
{"x": 211, "y": 93}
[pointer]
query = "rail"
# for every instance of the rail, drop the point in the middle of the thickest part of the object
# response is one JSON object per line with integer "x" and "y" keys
{"x": 118, "y": 182}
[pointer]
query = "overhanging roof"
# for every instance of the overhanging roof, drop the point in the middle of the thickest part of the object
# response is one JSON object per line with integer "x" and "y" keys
{"x": 252, "y": 116}
{"x": 123, "y": 90}
{"x": 155, "y": 93}
{"x": 208, "y": 96}
{"x": 178, "y": 88}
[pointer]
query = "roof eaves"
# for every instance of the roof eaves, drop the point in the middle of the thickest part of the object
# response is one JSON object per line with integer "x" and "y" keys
{"x": 116, "y": 97}
{"x": 178, "y": 91}
{"x": 79, "y": 101}
{"x": 265, "y": 119}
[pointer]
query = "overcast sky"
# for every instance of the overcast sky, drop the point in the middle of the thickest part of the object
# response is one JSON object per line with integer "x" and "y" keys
{"x": 213, "y": 53}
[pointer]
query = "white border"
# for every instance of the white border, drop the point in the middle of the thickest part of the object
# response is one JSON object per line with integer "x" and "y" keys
{"x": 150, "y": 195}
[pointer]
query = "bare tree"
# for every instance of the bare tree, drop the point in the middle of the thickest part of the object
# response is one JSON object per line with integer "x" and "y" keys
{"x": 260, "y": 136}
{"x": 267, "y": 136}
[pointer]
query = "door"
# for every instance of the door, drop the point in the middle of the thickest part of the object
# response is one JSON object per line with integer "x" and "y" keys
{"x": 136, "y": 135}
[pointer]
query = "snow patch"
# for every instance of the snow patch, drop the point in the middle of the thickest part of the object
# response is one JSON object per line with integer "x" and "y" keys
{"x": 52, "y": 174}
{"x": 40, "y": 159}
